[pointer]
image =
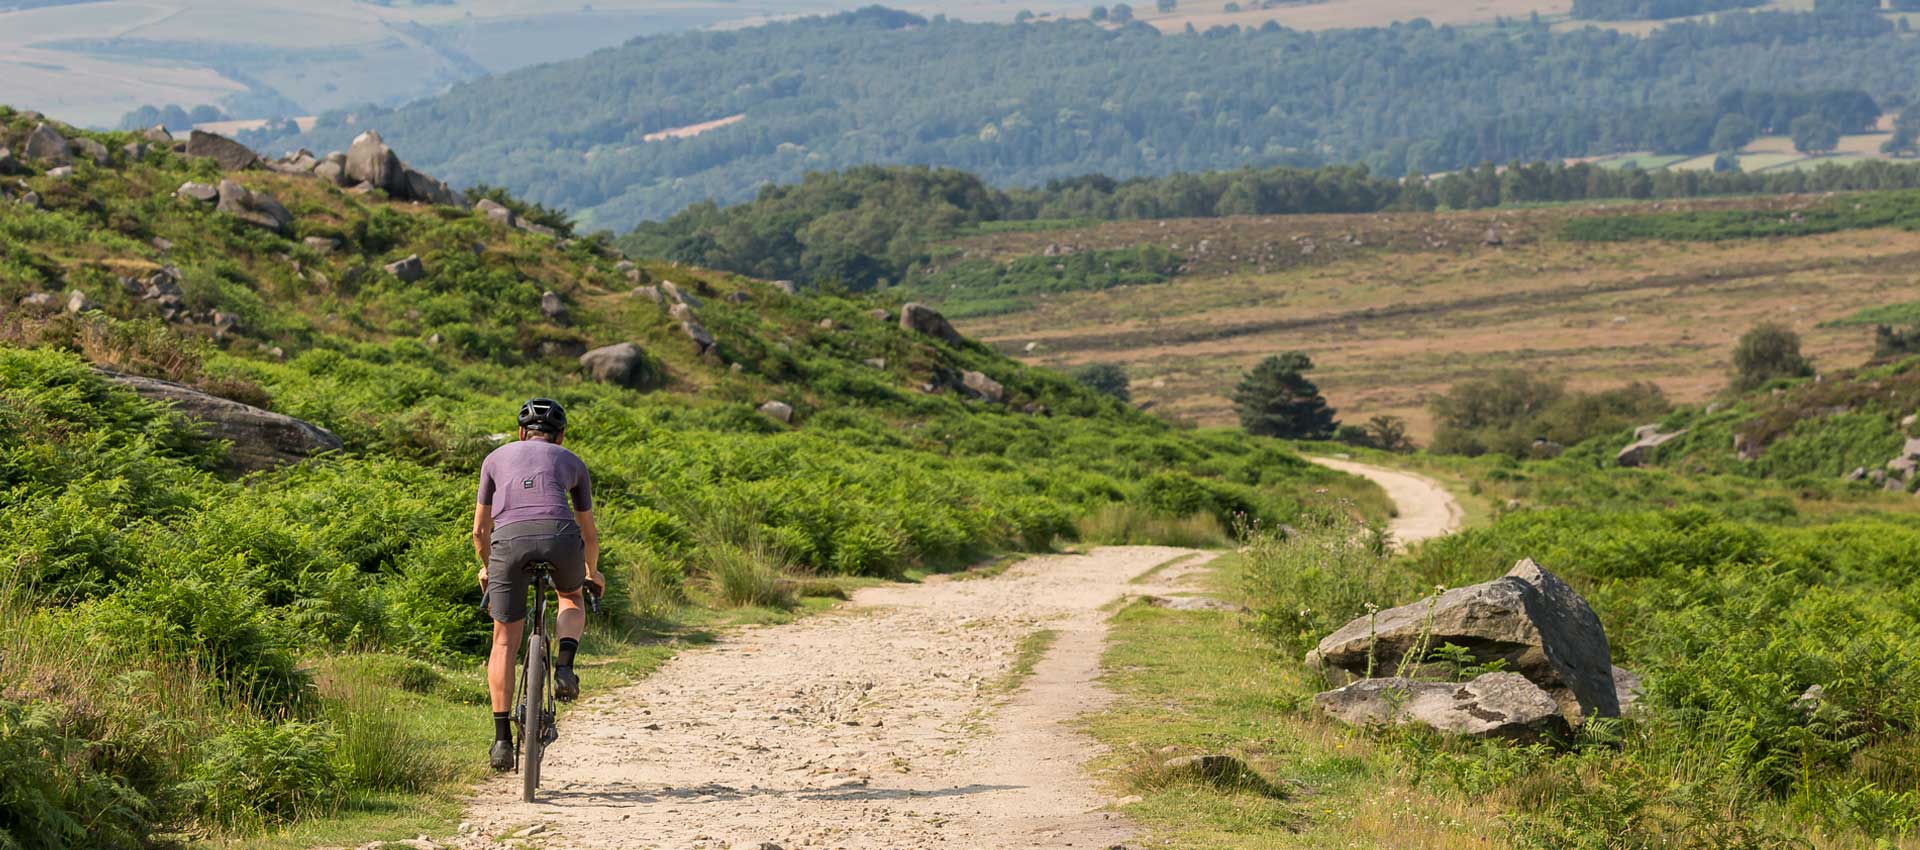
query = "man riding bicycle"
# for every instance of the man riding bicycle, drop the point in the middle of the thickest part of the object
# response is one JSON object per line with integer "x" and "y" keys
{"x": 522, "y": 516}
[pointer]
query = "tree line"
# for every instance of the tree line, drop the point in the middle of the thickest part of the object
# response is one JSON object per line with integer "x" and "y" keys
{"x": 875, "y": 225}
{"x": 1021, "y": 104}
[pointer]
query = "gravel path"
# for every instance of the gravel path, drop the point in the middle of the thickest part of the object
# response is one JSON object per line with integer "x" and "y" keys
{"x": 883, "y": 725}
{"x": 1425, "y": 508}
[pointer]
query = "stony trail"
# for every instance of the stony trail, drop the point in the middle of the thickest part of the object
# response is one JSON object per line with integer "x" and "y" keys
{"x": 886, "y": 724}
{"x": 1425, "y": 509}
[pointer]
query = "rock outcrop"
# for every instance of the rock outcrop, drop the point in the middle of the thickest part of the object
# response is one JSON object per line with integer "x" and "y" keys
{"x": 778, "y": 410}
{"x": 369, "y": 160}
{"x": 231, "y": 155}
{"x": 407, "y": 270}
{"x": 983, "y": 387}
{"x": 260, "y": 439}
{"x": 1529, "y": 618}
{"x": 1647, "y": 439}
{"x": 256, "y": 208}
{"x": 45, "y": 145}
{"x": 204, "y": 193}
{"x": 624, "y": 364}
{"x": 922, "y": 319}
{"x": 1495, "y": 705}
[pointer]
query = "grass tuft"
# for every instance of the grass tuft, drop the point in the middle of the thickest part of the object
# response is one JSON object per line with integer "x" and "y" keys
{"x": 1125, "y": 524}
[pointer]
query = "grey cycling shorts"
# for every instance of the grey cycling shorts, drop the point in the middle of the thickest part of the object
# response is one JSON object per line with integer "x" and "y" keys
{"x": 517, "y": 544}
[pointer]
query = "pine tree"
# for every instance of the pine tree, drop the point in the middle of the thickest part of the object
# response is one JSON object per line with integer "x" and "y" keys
{"x": 1277, "y": 400}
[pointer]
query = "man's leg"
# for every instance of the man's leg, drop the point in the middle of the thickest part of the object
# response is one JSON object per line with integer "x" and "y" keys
{"x": 571, "y": 622}
{"x": 506, "y": 643}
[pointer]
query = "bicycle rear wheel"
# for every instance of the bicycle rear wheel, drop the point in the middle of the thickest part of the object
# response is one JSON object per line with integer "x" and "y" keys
{"x": 531, "y": 733}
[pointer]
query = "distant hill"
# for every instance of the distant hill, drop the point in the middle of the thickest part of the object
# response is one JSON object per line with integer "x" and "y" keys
{"x": 1021, "y": 104}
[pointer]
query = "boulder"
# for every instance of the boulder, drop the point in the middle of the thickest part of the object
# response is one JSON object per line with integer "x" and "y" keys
{"x": 231, "y": 155}
{"x": 1528, "y": 618}
{"x": 1496, "y": 705}
{"x": 370, "y": 161}
{"x": 256, "y": 208}
{"x": 157, "y": 134}
{"x": 552, "y": 307}
{"x": 45, "y": 145}
{"x": 78, "y": 302}
{"x": 778, "y": 410}
{"x": 297, "y": 163}
{"x": 408, "y": 270}
{"x": 983, "y": 387}
{"x": 61, "y": 173}
{"x": 651, "y": 293}
{"x": 1911, "y": 450}
{"x": 259, "y": 439}
{"x": 922, "y": 319}
{"x": 697, "y": 332}
{"x": 1745, "y": 449}
{"x": 674, "y": 292}
{"x": 332, "y": 172}
{"x": 135, "y": 151}
{"x": 39, "y": 301}
{"x": 201, "y": 192}
{"x": 1627, "y": 689}
{"x": 321, "y": 244}
{"x": 1647, "y": 439}
{"x": 9, "y": 165}
{"x": 425, "y": 189}
{"x": 92, "y": 150}
{"x": 879, "y": 314}
{"x": 496, "y": 212}
{"x": 624, "y": 364}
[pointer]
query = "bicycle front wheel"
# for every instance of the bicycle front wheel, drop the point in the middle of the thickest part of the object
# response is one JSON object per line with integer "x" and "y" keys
{"x": 530, "y": 731}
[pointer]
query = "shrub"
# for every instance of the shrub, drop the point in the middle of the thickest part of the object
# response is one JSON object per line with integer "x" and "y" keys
{"x": 1768, "y": 352}
{"x": 263, "y": 773}
{"x": 745, "y": 576}
{"x": 53, "y": 798}
{"x": 1302, "y": 586}
{"x": 1123, "y": 524}
{"x": 1106, "y": 379}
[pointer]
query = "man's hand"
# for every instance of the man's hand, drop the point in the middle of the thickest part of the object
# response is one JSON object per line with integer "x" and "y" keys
{"x": 596, "y": 582}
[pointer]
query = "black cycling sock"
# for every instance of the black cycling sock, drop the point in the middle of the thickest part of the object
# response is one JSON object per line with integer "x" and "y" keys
{"x": 567, "y": 647}
{"x": 502, "y": 726}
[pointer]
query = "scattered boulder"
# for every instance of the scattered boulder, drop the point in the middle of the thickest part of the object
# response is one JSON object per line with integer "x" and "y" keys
{"x": 983, "y": 387}
{"x": 296, "y": 163}
{"x": 1528, "y": 618}
{"x": 425, "y": 189}
{"x": 697, "y": 332}
{"x": 200, "y": 192}
{"x": 922, "y": 319}
{"x": 333, "y": 169}
{"x": 624, "y": 364}
{"x": 256, "y": 208}
{"x": 259, "y": 439}
{"x": 61, "y": 173}
{"x": 552, "y": 307}
{"x": 41, "y": 301}
{"x": 9, "y": 165}
{"x": 409, "y": 269}
{"x": 46, "y": 145}
{"x": 1496, "y": 705}
{"x": 78, "y": 302}
{"x": 1745, "y": 448}
{"x": 651, "y": 293}
{"x": 496, "y": 212}
{"x": 879, "y": 314}
{"x": 370, "y": 161}
{"x": 157, "y": 134}
{"x": 231, "y": 155}
{"x": 1647, "y": 439}
{"x": 135, "y": 151}
{"x": 668, "y": 288}
{"x": 826, "y": 324}
{"x": 778, "y": 410}
{"x": 321, "y": 244}
{"x": 92, "y": 150}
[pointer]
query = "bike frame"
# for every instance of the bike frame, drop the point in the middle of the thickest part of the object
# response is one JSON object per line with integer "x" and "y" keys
{"x": 542, "y": 715}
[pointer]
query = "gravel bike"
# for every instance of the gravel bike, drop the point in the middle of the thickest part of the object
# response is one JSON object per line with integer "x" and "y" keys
{"x": 534, "y": 704}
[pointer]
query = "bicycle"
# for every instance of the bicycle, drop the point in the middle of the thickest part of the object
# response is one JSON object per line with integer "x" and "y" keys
{"x": 537, "y": 728}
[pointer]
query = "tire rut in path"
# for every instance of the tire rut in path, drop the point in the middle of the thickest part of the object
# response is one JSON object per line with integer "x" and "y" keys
{"x": 882, "y": 724}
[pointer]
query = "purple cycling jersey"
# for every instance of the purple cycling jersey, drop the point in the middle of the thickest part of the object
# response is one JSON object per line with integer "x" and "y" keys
{"x": 532, "y": 479}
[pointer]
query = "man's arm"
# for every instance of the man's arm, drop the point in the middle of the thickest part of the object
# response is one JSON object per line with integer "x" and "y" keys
{"x": 590, "y": 535}
{"x": 483, "y": 538}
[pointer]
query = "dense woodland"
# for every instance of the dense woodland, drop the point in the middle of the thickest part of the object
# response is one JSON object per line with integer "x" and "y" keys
{"x": 1022, "y": 104}
{"x": 872, "y": 225}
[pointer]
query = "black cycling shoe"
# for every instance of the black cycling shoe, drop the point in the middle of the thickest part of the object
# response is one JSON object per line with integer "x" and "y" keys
{"x": 502, "y": 756}
{"x": 566, "y": 686}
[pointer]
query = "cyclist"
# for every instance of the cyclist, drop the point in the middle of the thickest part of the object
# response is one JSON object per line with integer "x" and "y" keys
{"x": 522, "y": 515}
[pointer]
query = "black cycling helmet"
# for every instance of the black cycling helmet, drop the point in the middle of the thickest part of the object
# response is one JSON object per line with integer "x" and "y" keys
{"x": 544, "y": 415}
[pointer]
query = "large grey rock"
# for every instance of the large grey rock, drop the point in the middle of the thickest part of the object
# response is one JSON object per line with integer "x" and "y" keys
{"x": 407, "y": 270}
{"x": 332, "y": 172}
{"x": 496, "y": 212}
{"x": 920, "y": 318}
{"x": 260, "y": 439}
{"x": 78, "y": 302}
{"x": 425, "y": 189}
{"x": 199, "y": 192}
{"x": 39, "y": 301}
{"x": 9, "y": 165}
{"x": 1495, "y": 705}
{"x": 231, "y": 155}
{"x": 92, "y": 150}
{"x": 679, "y": 296}
{"x": 983, "y": 387}
{"x": 552, "y": 307}
{"x": 256, "y": 208}
{"x": 624, "y": 364}
{"x": 45, "y": 145}
{"x": 369, "y": 160}
{"x": 157, "y": 134}
{"x": 1647, "y": 439}
{"x": 778, "y": 410}
{"x": 1528, "y": 618}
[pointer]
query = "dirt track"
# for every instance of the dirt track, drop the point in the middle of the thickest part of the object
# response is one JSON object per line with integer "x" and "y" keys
{"x": 1425, "y": 508}
{"x": 884, "y": 724}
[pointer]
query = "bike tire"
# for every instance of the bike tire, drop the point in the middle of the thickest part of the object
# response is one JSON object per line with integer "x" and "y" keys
{"x": 530, "y": 731}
